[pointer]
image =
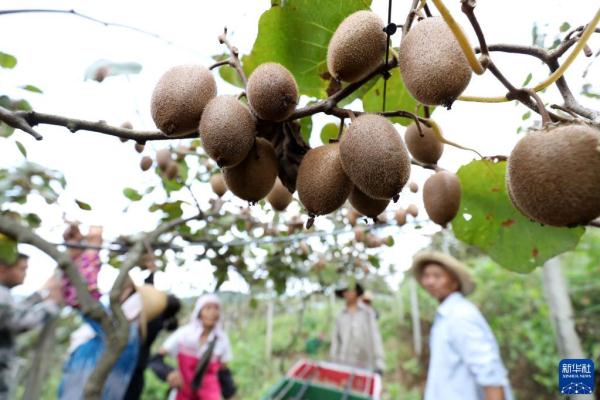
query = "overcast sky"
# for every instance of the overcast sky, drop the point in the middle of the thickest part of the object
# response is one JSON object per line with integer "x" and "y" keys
{"x": 54, "y": 50}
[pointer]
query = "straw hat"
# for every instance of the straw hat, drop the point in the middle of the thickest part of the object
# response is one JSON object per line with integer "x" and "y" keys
{"x": 452, "y": 265}
{"x": 154, "y": 303}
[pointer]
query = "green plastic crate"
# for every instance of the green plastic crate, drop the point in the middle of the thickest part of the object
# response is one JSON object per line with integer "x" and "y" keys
{"x": 315, "y": 391}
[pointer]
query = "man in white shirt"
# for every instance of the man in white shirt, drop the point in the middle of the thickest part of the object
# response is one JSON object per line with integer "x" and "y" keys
{"x": 465, "y": 361}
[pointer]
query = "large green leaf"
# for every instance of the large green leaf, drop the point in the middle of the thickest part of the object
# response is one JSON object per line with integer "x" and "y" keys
{"x": 488, "y": 220}
{"x": 397, "y": 98}
{"x": 295, "y": 33}
{"x": 7, "y": 60}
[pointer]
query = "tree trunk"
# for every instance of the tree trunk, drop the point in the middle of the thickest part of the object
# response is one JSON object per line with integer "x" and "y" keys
{"x": 561, "y": 312}
{"x": 41, "y": 362}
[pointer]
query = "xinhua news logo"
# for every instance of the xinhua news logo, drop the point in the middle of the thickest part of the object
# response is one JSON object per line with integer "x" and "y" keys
{"x": 576, "y": 376}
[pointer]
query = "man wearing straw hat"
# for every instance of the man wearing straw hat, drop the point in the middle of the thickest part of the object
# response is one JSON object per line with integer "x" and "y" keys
{"x": 465, "y": 361}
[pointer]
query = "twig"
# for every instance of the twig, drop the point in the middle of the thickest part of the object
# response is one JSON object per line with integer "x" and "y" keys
{"x": 235, "y": 60}
{"x": 18, "y": 122}
{"x": 32, "y": 118}
{"x": 220, "y": 63}
{"x": 409, "y": 18}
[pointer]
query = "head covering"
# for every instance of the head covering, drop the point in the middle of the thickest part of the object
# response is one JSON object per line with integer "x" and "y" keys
{"x": 154, "y": 303}
{"x": 451, "y": 264}
{"x": 367, "y": 296}
{"x": 352, "y": 286}
{"x": 200, "y": 304}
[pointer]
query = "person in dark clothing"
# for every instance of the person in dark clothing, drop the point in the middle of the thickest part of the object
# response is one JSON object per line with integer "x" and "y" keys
{"x": 167, "y": 321}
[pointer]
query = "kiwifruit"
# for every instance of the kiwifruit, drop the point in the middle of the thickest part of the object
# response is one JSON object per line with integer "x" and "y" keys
{"x": 374, "y": 156}
{"x": 179, "y": 98}
{"x": 357, "y": 46}
{"x": 413, "y": 186}
{"x": 427, "y": 148}
{"x": 146, "y": 163}
{"x": 139, "y": 147}
{"x": 272, "y": 92}
{"x": 433, "y": 66}
{"x": 217, "y": 183}
{"x": 322, "y": 185}
{"x": 227, "y": 130}
{"x": 372, "y": 241}
{"x": 413, "y": 210}
{"x": 400, "y": 216}
{"x": 553, "y": 175}
{"x": 279, "y": 197}
{"x": 163, "y": 159}
{"x": 253, "y": 178}
{"x": 172, "y": 170}
{"x": 441, "y": 196}
{"x": 367, "y": 206}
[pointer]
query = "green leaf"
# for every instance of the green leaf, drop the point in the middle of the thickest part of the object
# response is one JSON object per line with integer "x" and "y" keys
{"x": 7, "y": 61}
{"x": 374, "y": 261}
{"x": 526, "y": 116}
{"x": 397, "y": 98}
{"x": 21, "y": 148}
{"x": 5, "y": 130}
{"x": 565, "y": 27}
{"x": 488, "y": 220}
{"x": 83, "y": 205}
{"x": 33, "y": 220}
{"x": 527, "y": 80}
{"x": 295, "y": 33}
{"x": 132, "y": 194}
{"x": 32, "y": 88}
{"x": 329, "y": 131}
{"x": 8, "y": 249}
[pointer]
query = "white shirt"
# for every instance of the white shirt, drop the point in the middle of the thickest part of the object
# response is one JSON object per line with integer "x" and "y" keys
{"x": 464, "y": 354}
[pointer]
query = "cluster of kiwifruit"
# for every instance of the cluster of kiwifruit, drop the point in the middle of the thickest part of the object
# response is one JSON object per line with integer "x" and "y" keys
{"x": 185, "y": 100}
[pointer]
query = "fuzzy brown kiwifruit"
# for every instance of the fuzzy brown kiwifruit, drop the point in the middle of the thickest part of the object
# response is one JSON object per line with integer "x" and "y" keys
{"x": 413, "y": 186}
{"x": 227, "y": 130}
{"x": 279, "y": 197}
{"x": 357, "y": 47}
{"x": 163, "y": 159}
{"x": 146, "y": 163}
{"x": 272, "y": 92}
{"x": 400, "y": 216}
{"x": 413, "y": 210}
{"x": 179, "y": 98}
{"x": 367, "y": 206}
{"x": 139, "y": 147}
{"x": 441, "y": 196}
{"x": 427, "y": 148}
{"x": 433, "y": 66}
{"x": 374, "y": 157}
{"x": 322, "y": 184}
{"x": 253, "y": 178}
{"x": 217, "y": 183}
{"x": 172, "y": 171}
{"x": 553, "y": 175}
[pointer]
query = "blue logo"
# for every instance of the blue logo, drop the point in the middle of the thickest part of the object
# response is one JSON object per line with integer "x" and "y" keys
{"x": 576, "y": 376}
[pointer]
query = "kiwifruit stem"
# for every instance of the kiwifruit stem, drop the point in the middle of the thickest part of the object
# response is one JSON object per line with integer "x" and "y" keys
{"x": 438, "y": 134}
{"x": 460, "y": 36}
{"x": 541, "y": 108}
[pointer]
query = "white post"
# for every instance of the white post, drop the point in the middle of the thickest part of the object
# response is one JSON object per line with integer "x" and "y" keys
{"x": 416, "y": 318}
{"x": 269, "y": 335}
{"x": 556, "y": 291}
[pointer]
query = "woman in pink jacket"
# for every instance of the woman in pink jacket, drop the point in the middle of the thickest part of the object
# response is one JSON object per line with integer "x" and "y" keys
{"x": 191, "y": 345}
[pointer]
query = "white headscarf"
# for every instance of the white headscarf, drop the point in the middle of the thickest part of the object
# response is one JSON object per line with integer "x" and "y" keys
{"x": 187, "y": 337}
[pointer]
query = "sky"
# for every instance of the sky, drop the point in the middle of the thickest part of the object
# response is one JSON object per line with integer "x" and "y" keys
{"x": 54, "y": 50}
